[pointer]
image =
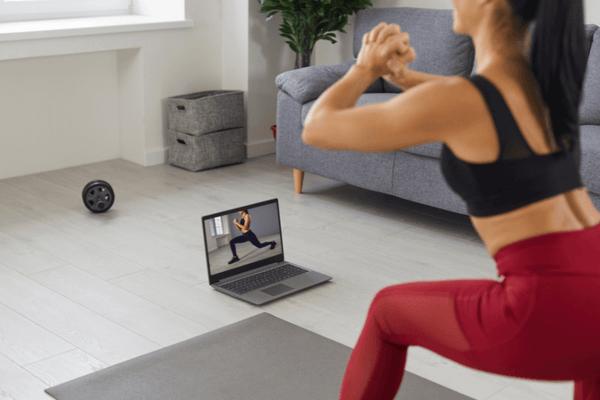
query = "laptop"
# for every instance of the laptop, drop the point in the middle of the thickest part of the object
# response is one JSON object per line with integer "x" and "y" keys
{"x": 259, "y": 274}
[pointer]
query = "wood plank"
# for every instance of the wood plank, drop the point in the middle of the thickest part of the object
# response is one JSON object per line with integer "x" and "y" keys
{"x": 18, "y": 384}
{"x": 65, "y": 367}
{"x": 85, "y": 329}
{"x": 25, "y": 258}
{"x": 205, "y": 307}
{"x": 71, "y": 249}
{"x": 24, "y": 342}
{"x": 141, "y": 316}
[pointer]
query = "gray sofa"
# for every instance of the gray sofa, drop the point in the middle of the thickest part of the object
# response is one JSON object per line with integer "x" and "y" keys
{"x": 413, "y": 173}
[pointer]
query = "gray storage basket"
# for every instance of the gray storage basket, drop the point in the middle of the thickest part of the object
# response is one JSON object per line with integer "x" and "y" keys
{"x": 196, "y": 153}
{"x": 206, "y": 112}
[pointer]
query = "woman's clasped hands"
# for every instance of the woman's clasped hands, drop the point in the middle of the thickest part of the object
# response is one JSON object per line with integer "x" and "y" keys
{"x": 386, "y": 51}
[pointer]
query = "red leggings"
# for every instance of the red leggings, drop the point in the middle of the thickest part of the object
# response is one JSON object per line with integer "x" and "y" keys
{"x": 542, "y": 322}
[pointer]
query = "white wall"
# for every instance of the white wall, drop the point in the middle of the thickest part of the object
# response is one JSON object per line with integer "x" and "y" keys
{"x": 51, "y": 105}
{"x": 78, "y": 100}
{"x": 592, "y": 12}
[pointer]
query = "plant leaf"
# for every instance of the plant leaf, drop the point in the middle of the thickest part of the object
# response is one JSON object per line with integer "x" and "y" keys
{"x": 293, "y": 46}
{"x": 287, "y": 36}
{"x": 270, "y": 5}
{"x": 307, "y": 21}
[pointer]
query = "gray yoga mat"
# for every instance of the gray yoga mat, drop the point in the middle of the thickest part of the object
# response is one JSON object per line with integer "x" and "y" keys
{"x": 261, "y": 358}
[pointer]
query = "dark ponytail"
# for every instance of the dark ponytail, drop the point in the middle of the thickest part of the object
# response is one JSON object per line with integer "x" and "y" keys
{"x": 558, "y": 60}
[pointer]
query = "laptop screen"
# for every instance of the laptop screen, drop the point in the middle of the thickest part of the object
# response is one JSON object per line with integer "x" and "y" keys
{"x": 252, "y": 233}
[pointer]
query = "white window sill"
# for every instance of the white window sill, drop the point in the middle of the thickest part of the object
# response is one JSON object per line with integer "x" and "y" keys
{"x": 54, "y": 28}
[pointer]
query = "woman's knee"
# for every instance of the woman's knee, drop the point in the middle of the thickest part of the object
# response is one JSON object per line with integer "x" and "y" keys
{"x": 418, "y": 310}
{"x": 393, "y": 303}
{"x": 384, "y": 294}
{"x": 382, "y": 300}
{"x": 380, "y": 314}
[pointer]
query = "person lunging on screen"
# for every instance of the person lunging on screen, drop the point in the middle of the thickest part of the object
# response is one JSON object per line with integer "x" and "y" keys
{"x": 247, "y": 235}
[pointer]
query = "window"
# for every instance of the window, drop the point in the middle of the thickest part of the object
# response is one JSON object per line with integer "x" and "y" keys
{"x": 27, "y": 10}
{"x": 216, "y": 226}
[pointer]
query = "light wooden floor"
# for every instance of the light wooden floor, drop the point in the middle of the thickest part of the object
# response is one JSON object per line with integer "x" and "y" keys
{"x": 81, "y": 291}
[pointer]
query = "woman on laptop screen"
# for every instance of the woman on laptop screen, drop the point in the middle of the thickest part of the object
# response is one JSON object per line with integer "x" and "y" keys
{"x": 247, "y": 235}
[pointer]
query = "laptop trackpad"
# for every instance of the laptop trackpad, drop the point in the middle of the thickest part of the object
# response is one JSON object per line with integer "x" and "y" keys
{"x": 277, "y": 289}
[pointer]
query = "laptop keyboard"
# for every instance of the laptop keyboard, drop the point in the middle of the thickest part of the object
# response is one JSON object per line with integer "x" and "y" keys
{"x": 263, "y": 279}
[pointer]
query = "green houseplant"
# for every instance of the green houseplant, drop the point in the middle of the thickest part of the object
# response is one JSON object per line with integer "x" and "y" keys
{"x": 307, "y": 21}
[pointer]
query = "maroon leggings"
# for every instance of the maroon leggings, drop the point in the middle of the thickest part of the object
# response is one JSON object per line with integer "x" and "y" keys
{"x": 542, "y": 322}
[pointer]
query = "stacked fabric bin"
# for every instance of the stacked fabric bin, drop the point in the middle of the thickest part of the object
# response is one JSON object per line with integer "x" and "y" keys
{"x": 207, "y": 129}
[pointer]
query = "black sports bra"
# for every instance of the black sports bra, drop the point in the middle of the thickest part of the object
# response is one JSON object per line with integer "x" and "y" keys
{"x": 242, "y": 222}
{"x": 519, "y": 177}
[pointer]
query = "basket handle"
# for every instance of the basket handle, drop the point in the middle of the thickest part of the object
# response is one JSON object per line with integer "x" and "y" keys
{"x": 181, "y": 108}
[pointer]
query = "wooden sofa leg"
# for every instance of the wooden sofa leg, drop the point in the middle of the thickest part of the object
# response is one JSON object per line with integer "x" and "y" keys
{"x": 298, "y": 180}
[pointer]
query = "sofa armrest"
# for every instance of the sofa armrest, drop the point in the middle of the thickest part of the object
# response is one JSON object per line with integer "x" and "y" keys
{"x": 307, "y": 84}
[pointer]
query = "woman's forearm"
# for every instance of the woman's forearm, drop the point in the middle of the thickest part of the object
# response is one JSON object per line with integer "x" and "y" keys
{"x": 412, "y": 79}
{"x": 341, "y": 95}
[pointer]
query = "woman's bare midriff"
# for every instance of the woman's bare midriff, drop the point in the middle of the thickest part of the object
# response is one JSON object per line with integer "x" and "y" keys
{"x": 247, "y": 230}
{"x": 569, "y": 211}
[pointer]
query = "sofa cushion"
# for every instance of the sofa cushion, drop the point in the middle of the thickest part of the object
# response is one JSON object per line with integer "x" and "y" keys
{"x": 364, "y": 99}
{"x": 589, "y": 110}
{"x": 433, "y": 150}
{"x": 590, "y": 30}
{"x": 439, "y": 49}
{"x": 590, "y": 157}
{"x": 372, "y": 171}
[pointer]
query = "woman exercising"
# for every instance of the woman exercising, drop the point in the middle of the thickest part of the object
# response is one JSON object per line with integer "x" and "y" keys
{"x": 511, "y": 150}
{"x": 247, "y": 235}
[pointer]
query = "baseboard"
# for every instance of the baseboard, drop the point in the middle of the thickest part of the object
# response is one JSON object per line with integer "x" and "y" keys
{"x": 255, "y": 149}
{"x": 259, "y": 148}
{"x": 156, "y": 157}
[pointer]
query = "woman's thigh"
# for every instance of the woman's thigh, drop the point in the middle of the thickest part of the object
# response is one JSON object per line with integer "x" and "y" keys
{"x": 526, "y": 326}
{"x": 558, "y": 339}
{"x": 425, "y": 314}
{"x": 239, "y": 239}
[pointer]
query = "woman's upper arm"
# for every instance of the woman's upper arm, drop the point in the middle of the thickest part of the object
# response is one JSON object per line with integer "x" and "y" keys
{"x": 430, "y": 112}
